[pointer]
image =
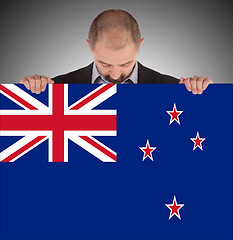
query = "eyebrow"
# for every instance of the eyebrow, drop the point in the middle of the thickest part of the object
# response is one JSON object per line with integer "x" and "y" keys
{"x": 111, "y": 64}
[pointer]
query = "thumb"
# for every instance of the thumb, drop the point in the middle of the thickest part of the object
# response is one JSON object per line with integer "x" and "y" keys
{"x": 50, "y": 80}
{"x": 181, "y": 80}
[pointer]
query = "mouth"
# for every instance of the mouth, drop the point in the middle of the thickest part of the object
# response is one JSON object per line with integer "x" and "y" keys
{"x": 119, "y": 80}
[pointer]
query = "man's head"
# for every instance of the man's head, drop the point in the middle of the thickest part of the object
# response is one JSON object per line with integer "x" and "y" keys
{"x": 114, "y": 39}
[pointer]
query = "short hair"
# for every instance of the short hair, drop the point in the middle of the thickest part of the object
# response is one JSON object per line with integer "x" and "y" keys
{"x": 114, "y": 19}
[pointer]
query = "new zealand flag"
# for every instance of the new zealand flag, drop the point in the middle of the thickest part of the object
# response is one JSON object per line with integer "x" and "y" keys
{"x": 116, "y": 162}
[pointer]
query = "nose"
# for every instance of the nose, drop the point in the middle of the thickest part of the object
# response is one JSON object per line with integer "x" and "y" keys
{"x": 115, "y": 73}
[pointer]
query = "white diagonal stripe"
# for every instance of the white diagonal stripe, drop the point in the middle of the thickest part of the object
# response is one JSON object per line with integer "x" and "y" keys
{"x": 94, "y": 151}
{"x": 95, "y": 102}
{"x": 20, "y": 143}
{"x": 42, "y": 109}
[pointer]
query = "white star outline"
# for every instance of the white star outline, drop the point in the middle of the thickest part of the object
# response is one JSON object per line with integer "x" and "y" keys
{"x": 169, "y": 112}
{"x": 142, "y": 148}
{"x": 179, "y": 205}
{"x": 202, "y": 140}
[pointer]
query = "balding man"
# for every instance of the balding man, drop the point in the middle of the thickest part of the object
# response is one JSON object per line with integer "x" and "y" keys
{"x": 115, "y": 40}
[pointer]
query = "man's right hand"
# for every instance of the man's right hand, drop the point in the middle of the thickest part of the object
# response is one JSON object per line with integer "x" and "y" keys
{"x": 36, "y": 83}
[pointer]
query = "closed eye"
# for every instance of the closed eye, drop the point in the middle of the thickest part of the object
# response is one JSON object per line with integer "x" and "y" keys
{"x": 106, "y": 65}
{"x": 125, "y": 65}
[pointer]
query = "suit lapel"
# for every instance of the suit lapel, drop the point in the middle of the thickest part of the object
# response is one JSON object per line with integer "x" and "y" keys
{"x": 85, "y": 78}
{"x": 143, "y": 76}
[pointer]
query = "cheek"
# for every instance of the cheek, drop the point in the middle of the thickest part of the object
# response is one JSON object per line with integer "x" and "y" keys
{"x": 102, "y": 70}
{"x": 128, "y": 70}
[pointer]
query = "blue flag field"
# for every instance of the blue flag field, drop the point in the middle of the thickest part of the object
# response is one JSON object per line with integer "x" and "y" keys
{"x": 116, "y": 162}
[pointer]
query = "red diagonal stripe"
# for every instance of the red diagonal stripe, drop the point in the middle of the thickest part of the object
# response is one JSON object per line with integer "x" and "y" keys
{"x": 17, "y": 98}
{"x": 92, "y": 96}
{"x": 99, "y": 147}
{"x": 23, "y": 149}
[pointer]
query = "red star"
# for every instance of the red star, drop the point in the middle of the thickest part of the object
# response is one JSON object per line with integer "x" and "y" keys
{"x": 174, "y": 207}
{"x": 174, "y": 114}
{"x": 147, "y": 151}
{"x": 197, "y": 141}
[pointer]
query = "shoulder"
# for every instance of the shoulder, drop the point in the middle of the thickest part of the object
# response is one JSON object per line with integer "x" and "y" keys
{"x": 82, "y": 75}
{"x": 150, "y": 76}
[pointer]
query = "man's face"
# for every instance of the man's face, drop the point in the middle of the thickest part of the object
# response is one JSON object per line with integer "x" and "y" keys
{"x": 115, "y": 65}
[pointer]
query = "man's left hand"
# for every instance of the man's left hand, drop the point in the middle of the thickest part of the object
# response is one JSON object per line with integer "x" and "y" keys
{"x": 196, "y": 84}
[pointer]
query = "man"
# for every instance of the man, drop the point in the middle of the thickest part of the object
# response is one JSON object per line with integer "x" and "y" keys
{"x": 115, "y": 40}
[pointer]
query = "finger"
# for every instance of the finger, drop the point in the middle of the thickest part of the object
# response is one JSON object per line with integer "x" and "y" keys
{"x": 38, "y": 83}
{"x": 32, "y": 82}
{"x": 193, "y": 82}
{"x": 199, "y": 84}
{"x": 181, "y": 80}
{"x": 44, "y": 82}
{"x": 188, "y": 84}
{"x": 25, "y": 82}
{"x": 206, "y": 82}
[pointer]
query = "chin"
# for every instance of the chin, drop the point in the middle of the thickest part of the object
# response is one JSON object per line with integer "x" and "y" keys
{"x": 119, "y": 80}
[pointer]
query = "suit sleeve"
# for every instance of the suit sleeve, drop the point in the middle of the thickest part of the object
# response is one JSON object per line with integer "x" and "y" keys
{"x": 169, "y": 79}
{"x": 61, "y": 79}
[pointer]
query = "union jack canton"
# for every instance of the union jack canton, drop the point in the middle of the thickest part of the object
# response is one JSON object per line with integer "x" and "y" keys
{"x": 58, "y": 122}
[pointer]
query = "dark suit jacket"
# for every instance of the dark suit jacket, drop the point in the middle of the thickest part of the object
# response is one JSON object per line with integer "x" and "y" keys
{"x": 145, "y": 75}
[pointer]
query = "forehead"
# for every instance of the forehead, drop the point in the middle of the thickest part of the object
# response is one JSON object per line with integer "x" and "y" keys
{"x": 115, "y": 56}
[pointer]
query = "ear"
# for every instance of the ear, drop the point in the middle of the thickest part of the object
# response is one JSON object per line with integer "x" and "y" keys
{"x": 87, "y": 42}
{"x": 142, "y": 40}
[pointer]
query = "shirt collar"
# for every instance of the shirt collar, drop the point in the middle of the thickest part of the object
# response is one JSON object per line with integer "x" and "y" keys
{"x": 133, "y": 76}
